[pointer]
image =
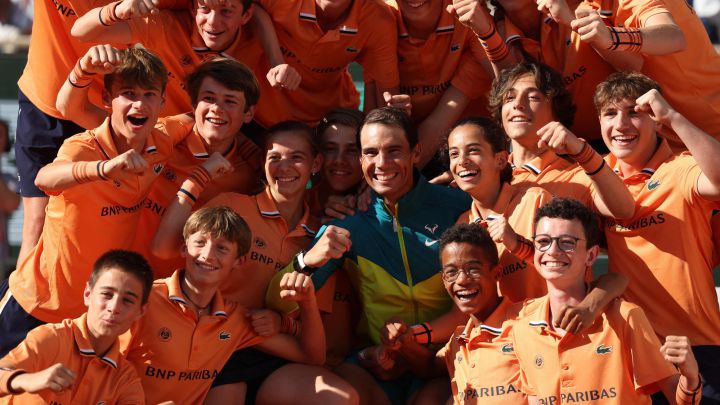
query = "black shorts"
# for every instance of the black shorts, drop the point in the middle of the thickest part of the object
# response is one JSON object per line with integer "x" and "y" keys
{"x": 250, "y": 366}
{"x": 37, "y": 141}
{"x": 15, "y": 323}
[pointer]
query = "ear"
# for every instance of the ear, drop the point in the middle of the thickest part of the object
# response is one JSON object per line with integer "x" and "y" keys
{"x": 317, "y": 163}
{"x": 239, "y": 262}
{"x": 107, "y": 99}
{"x": 592, "y": 255}
{"x": 416, "y": 154}
{"x": 247, "y": 15}
{"x": 501, "y": 159}
{"x": 86, "y": 295}
{"x": 249, "y": 114}
{"x": 141, "y": 313}
{"x": 184, "y": 250}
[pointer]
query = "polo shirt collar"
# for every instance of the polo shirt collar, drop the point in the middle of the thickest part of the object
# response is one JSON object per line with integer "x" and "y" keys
{"x": 662, "y": 154}
{"x": 82, "y": 340}
{"x": 268, "y": 209}
{"x": 196, "y": 146}
{"x": 204, "y": 53}
{"x": 308, "y": 14}
{"x": 446, "y": 24}
{"x": 104, "y": 139}
{"x": 538, "y": 164}
{"x": 507, "y": 192}
{"x": 175, "y": 294}
{"x": 487, "y": 329}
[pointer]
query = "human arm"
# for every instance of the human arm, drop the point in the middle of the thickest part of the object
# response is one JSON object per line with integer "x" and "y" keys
{"x": 434, "y": 127}
{"x": 72, "y": 100}
{"x": 613, "y": 199}
{"x": 59, "y": 176}
{"x": 704, "y": 148}
{"x": 168, "y": 238}
{"x": 575, "y": 319}
{"x": 280, "y": 74}
{"x": 686, "y": 388}
{"x": 658, "y": 35}
{"x": 396, "y": 336}
{"x": 309, "y": 347}
{"x": 56, "y": 378}
{"x": 501, "y": 232}
{"x": 333, "y": 244}
{"x": 109, "y": 22}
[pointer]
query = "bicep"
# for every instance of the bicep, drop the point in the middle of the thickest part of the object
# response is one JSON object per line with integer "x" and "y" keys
{"x": 706, "y": 189}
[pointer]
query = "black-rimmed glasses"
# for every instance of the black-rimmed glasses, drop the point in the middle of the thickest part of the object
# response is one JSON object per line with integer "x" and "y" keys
{"x": 566, "y": 243}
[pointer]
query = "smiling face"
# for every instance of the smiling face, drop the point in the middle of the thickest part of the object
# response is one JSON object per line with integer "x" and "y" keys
{"x": 219, "y": 113}
{"x": 114, "y": 303}
{"x": 473, "y": 296}
{"x": 134, "y": 109}
{"x": 387, "y": 160}
{"x": 289, "y": 163}
{"x": 209, "y": 260}
{"x": 473, "y": 164}
{"x": 559, "y": 267}
{"x": 420, "y": 10}
{"x": 525, "y": 109}
{"x": 220, "y": 24}
{"x": 629, "y": 135}
{"x": 341, "y": 158}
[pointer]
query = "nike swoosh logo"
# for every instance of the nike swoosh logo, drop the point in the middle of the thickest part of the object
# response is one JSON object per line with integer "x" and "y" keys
{"x": 429, "y": 242}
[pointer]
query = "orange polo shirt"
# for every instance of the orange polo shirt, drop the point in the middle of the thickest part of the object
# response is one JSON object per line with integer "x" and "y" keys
{"x": 246, "y": 158}
{"x": 178, "y": 355}
{"x": 173, "y": 36}
{"x": 690, "y": 79}
{"x": 54, "y": 52}
{"x": 481, "y": 362}
{"x": 616, "y": 361}
{"x": 517, "y": 278}
{"x": 449, "y": 56}
{"x": 560, "y": 176}
{"x": 367, "y": 36}
{"x": 666, "y": 248}
{"x": 85, "y": 221}
{"x": 581, "y": 67}
{"x": 103, "y": 379}
{"x": 273, "y": 244}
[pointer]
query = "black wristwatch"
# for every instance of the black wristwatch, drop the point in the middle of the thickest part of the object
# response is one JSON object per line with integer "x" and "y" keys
{"x": 300, "y": 266}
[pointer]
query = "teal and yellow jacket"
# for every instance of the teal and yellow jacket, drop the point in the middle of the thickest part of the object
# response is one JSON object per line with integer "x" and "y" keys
{"x": 394, "y": 262}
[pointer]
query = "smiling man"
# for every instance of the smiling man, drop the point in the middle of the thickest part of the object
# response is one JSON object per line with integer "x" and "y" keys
{"x": 674, "y": 195}
{"x": 391, "y": 250}
{"x": 618, "y": 360}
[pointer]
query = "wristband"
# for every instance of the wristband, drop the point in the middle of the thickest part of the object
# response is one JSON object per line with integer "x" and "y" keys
{"x": 495, "y": 48}
{"x": 78, "y": 77}
{"x": 684, "y": 396}
{"x": 625, "y": 39}
{"x": 422, "y": 333}
{"x": 84, "y": 172}
{"x": 288, "y": 325}
{"x": 588, "y": 159}
{"x": 107, "y": 14}
{"x": 524, "y": 249}
{"x": 9, "y": 380}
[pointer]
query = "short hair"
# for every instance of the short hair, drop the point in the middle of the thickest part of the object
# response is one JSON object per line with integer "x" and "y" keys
{"x": 495, "y": 136}
{"x": 623, "y": 85}
{"x": 220, "y": 222}
{"x": 245, "y": 4}
{"x": 472, "y": 234}
{"x": 230, "y": 73}
{"x": 138, "y": 67}
{"x": 128, "y": 262}
{"x": 299, "y": 128}
{"x": 340, "y": 116}
{"x": 570, "y": 209}
{"x": 547, "y": 80}
{"x": 393, "y": 117}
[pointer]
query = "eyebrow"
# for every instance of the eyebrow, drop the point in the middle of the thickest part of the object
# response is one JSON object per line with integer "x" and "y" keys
{"x": 108, "y": 288}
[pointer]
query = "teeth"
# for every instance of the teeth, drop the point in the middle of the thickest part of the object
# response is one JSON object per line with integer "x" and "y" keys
{"x": 519, "y": 119}
{"x": 466, "y": 295}
{"x": 623, "y": 138}
{"x": 467, "y": 173}
{"x": 285, "y": 179}
{"x": 205, "y": 266}
{"x": 340, "y": 172}
{"x": 553, "y": 264}
{"x": 385, "y": 177}
{"x": 217, "y": 121}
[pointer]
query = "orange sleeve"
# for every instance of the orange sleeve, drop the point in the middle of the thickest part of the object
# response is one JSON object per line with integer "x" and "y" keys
{"x": 635, "y": 13}
{"x": 130, "y": 390}
{"x": 77, "y": 148}
{"x": 688, "y": 173}
{"x": 471, "y": 78}
{"x": 245, "y": 334}
{"x": 35, "y": 353}
{"x": 177, "y": 128}
{"x": 226, "y": 199}
{"x": 379, "y": 56}
{"x": 648, "y": 365}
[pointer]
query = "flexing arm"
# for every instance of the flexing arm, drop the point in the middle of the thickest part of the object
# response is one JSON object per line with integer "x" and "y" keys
{"x": 72, "y": 100}
{"x": 55, "y": 378}
{"x": 309, "y": 347}
{"x": 704, "y": 148}
{"x": 685, "y": 388}
{"x": 107, "y": 23}
{"x": 613, "y": 199}
{"x": 396, "y": 336}
{"x": 280, "y": 74}
{"x": 168, "y": 239}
